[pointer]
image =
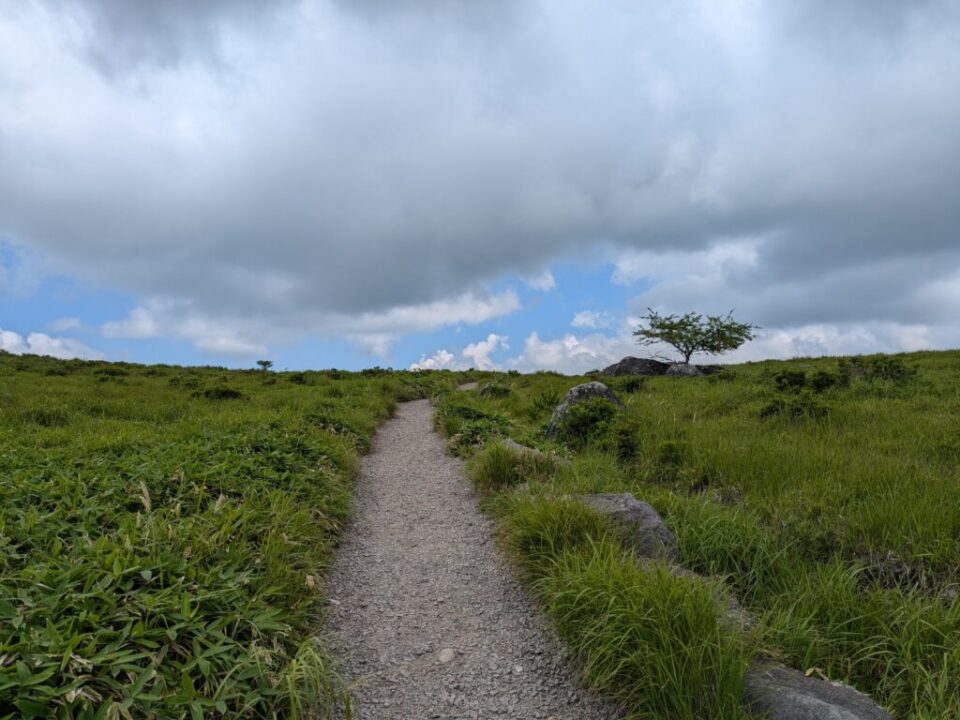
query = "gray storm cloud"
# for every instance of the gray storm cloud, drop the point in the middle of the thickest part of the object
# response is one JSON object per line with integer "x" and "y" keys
{"x": 349, "y": 158}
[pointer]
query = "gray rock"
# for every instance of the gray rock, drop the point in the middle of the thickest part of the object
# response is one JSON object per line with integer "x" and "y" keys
{"x": 777, "y": 692}
{"x": 637, "y": 366}
{"x": 645, "y": 531}
{"x": 683, "y": 370}
{"x": 519, "y": 449}
{"x": 576, "y": 395}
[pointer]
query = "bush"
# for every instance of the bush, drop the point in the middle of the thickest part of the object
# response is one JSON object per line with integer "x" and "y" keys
{"x": 625, "y": 439}
{"x": 790, "y": 380}
{"x": 219, "y": 393}
{"x": 629, "y": 384}
{"x": 494, "y": 390}
{"x": 587, "y": 421}
{"x": 805, "y": 405}
{"x": 544, "y": 404}
{"x": 499, "y": 467}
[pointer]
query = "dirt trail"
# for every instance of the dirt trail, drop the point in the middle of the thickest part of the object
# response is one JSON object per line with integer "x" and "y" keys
{"x": 425, "y": 613}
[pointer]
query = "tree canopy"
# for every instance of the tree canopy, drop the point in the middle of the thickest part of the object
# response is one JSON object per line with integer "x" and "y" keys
{"x": 690, "y": 334}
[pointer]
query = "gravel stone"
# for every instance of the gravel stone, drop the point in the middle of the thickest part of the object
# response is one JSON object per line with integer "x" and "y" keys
{"x": 426, "y": 615}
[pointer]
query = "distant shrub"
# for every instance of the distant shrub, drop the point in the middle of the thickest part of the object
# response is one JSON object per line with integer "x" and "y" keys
{"x": 513, "y": 373}
{"x": 544, "y": 403}
{"x": 219, "y": 393}
{"x": 672, "y": 453}
{"x": 804, "y": 405}
{"x": 629, "y": 384}
{"x": 882, "y": 368}
{"x": 494, "y": 390}
{"x": 625, "y": 439}
{"x": 298, "y": 378}
{"x": 824, "y": 380}
{"x": 587, "y": 421}
{"x": 57, "y": 371}
{"x": 46, "y": 416}
{"x": 114, "y": 372}
{"x": 790, "y": 380}
{"x": 499, "y": 467}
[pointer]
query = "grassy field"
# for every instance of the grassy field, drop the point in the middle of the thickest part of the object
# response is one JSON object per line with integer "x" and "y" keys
{"x": 163, "y": 531}
{"x": 824, "y": 494}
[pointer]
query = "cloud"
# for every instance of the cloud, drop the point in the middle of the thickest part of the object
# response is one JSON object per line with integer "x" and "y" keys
{"x": 478, "y": 353}
{"x": 179, "y": 151}
{"x": 543, "y": 282}
{"x": 440, "y": 360}
{"x": 591, "y": 319}
{"x": 42, "y": 344}
{"x": 247, "y": 335}
{"x": 65, "y": 323}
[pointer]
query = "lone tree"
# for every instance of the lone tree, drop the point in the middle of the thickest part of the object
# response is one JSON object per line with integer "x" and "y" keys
{"x": 689, "y": 333}
{"x": 265, "y": 364}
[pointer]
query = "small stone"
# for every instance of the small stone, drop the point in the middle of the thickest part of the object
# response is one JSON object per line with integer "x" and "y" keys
{"x": 446, "y": 655}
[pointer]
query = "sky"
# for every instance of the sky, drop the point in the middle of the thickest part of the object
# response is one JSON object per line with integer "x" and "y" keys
{"x": 445, "y": 183}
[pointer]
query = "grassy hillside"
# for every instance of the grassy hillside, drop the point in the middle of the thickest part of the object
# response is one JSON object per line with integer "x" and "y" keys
{"x": 825, "y": 494}
{"x": 162, "y": 531}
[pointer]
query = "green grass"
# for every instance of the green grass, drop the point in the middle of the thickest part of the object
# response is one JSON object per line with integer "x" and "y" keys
{"x": 163, "y": 531}
{"x": 833, "y": 517}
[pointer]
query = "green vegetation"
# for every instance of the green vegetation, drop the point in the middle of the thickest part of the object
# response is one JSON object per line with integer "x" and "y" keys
{"x": 163, "y": 532}
{"x": 822, "y": 493}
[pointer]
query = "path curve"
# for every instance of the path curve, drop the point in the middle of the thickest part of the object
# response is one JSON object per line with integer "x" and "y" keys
{"x": 426, "y": 615}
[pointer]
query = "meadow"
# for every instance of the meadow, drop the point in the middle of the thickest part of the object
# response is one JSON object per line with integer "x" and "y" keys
{"x": 821, "y": 493}
{"x": 164, "y": 531}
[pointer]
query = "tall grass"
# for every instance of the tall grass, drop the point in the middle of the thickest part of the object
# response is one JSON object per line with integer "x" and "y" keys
{"x": 836, "y": 527}
{"x": 161, "y": 546}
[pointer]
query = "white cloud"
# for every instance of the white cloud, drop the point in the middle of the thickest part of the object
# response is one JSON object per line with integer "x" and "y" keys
{"x": 478, "y": 353}
{"x": 373, "y": 332}
{"x": 591, "y": 319}
{"x": 543, "y": 282}
{"x": 42, "y": 344}
{"x": 65, "y": 323}
{"x": 440, "y": 360}
{"x": 572, "y": 354}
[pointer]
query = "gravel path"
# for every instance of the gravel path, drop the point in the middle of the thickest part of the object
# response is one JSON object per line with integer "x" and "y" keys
{"x": 427, "y": 616}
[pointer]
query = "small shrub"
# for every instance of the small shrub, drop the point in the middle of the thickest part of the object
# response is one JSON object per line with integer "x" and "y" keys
{"x": 496, "y": 468}
{"x": 625, "y": 439}
{"x": 823, "y": 380}
{"x": 219, "y": 393}
{"x": 544, "y": 403}
{"x": 672, "y": 453}
{"x": 630, "y": 384}
{"x": 298, "y": 378}
{"x": 494, "y": 390}
{"x": 790, "y": 380}
{"x": 587, "y": 421}
{"x": 46, "y": 416}
{"x": 805, "y": 405}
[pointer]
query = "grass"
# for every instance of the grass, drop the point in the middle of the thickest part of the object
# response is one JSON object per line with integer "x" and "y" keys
{"x": 821, "y": 492}
{"x": 163, "y": 531}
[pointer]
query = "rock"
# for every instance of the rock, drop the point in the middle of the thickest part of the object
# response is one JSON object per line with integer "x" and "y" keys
{"x": 446, "y": 655}
{"x": 519, "y": 449}
{"x": 645, "y": 531}
{"x": 683, "y": 370}
{"x": 777, "y": 692}
{"x": 637, "y": 366}
{"x": 576, "y": 395}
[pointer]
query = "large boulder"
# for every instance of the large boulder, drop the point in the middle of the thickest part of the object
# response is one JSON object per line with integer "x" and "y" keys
{"x": 636, "y": 366}
{"x": 576, "y": 395}
{"x": 643, "y": 528}
{"x": 683, "y": 370}
{"x": 776, "y": 692}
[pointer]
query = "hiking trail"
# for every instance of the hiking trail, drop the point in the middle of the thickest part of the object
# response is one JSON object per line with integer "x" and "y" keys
{"x": 426, "y": 614}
